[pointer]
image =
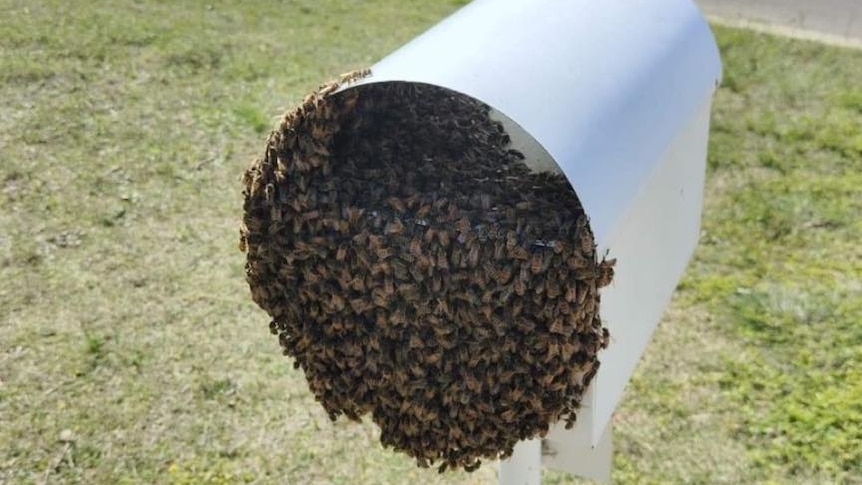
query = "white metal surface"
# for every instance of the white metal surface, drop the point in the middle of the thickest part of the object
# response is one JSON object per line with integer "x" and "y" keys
{"x": 525, "y": 465}
{"x": 617, "y": 93}
{"x": 579, "y": 456}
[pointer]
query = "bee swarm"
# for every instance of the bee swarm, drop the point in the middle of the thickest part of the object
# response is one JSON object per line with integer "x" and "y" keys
{"x": 418, "y": 271}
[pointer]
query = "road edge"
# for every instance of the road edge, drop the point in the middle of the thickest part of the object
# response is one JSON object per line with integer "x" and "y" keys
{"x": 786, "y": 31}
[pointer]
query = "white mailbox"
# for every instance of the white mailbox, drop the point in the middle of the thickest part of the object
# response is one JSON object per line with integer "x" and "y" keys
{"x": 616, "y": 95}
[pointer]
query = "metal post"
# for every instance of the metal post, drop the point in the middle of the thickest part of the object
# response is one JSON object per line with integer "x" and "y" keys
{"x": 525, "y": 465}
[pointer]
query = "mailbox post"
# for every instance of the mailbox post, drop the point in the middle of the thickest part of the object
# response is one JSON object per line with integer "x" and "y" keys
{"x": 615, "y": 95}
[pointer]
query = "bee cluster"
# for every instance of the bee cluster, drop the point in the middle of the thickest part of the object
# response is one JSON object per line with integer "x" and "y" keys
{"x": 418, "y": 271}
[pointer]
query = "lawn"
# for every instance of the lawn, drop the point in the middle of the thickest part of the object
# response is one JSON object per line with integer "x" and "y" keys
{"x": 130, "y": 351}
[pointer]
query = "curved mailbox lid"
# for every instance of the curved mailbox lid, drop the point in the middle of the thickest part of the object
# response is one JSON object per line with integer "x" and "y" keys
{"x": 602, "y": 86}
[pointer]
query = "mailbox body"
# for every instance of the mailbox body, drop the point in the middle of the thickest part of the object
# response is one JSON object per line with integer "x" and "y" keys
{"x": 617, "y": 96}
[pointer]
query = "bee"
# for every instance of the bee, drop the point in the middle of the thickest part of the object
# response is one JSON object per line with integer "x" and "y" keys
{"x": 499, "y": 250}
{"x": 571, "y": 293}
{"x": 519, "y": 287}
{"x": 415, "y": 247}
{"x": 536, "y": 263}
{"x": 519, "y": 253}
{"x": 379, "y": 298}
{"x": 394, "y": 227}
{"x": 361, "y": 239}
{"x": 381, "y": 267}
{"x": 416, "y": 342}
{"x": 442, "y": 261}
{"x": 353, "y": 214}
{"x": 433, "y": 359}
{"x": 443, "y": 309}
{"x": 473, "y": 255}
{"x": 558, "y": 246}
{"x": 408, "y": 292}
{"x": 471, "y": 382}
{"x": 583, "y": 290}
{"x": 588, "y": 377}
{"x": 511, "y": 240}
{"x": 337, "y": 302}
{"x": 383, "y": 253}
{"x": 508, "y": 416}
{"x": 557, "y": 326}
{"x": 515, "y": 394}
{"x": 396, "y": 204}
{"x": 538, "y": 289}
{"x": 357, "y": 283}
{"x": 552, "y": 287}
{"x": 353, "y": 76}
{"x": 444, "y": 238}
{"x": 455, "y": 258}
{"x": 606, "y": 338}
{"x": 462, "y": 225}
{"x": 359, "y": 305}
{"x": 587, "y": 242}
{"x": 423, "y": 211}
{"x": 606, "y": 272}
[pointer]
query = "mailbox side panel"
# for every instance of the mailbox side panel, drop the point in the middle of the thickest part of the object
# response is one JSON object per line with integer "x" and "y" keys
{"x": 653, "y": 244}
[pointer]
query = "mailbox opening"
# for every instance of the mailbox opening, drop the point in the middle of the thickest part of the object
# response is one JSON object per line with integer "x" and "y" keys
{"x": 425, "y": 264}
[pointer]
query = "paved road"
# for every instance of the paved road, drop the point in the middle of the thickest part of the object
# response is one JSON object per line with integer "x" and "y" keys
{"x": 836, "y": 19}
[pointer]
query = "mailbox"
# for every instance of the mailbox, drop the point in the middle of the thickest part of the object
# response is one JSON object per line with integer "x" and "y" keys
{"x": 616, "y": 95}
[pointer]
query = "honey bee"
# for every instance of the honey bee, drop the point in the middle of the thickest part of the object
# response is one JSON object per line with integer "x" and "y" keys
{"x": 558, "y": 246}
{"x": 383, "y": 253}
{"x": 519, "y": 253}
{"x": 394, "y": 227}
{"x": 455, "y": 258}
{"x": 353, "y": 76}
{"x": 557, "y": 326}
{"x": 473, "y": 255}
{"x": 606, "y": 272}
{"x": 408, "y": 291}
{"x": 396, "y": 204}
{"x": 359, "y": 305}
{"x": 442, "y": 260}
{"x": 571, "y": 293}
{"x": 433, "y": 358}
{"x": 443, "y": 237}
{"x": 423, "y": 211}
{"x": 587, "y": 243}
{"x": 536, "y": 263}
{"x": 379, "y": 298}
{"x": 471, "y": 382}
{"x": 415, "y": 247}
{"x": 508, "y": 416}
{"x": 361, "y": 239}
{"x": 416, "y": 342}
{"x": 519, "y": 287}
{"x": 462, "y": 225}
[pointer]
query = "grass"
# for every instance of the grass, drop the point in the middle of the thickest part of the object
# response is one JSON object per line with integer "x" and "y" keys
{"x": 130, "y": 351}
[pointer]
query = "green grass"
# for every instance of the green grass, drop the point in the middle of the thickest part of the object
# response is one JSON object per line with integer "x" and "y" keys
{"x": 126, "y": 326}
